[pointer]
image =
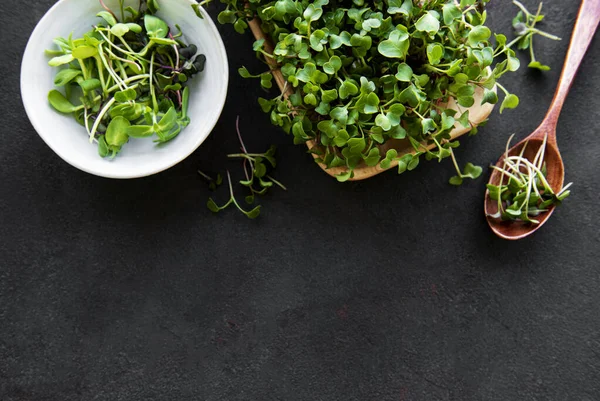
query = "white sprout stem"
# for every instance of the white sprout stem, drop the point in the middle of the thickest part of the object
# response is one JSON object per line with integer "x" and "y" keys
{"x": 115, "y": 46}
{"x": 538, "y": 172}
{"x": 129, "y": 80}
{"x": 127, "y": 46}
{"x": 565, "y": 188}
{"x": 539, "y": 158}
{"x": 522, "y": 153}
{"x": 507, "y": 173}
{"x": 111, "y": 72}
{"x": 87, "y": 125}
{"x": 101, "y": 74}
{"x": 154, "y": 103}
{"x": 530, "y": 181}
{"x": 123, "y": 59}
{"x": 100, "y": 117}
{"x": 500, "y": 208}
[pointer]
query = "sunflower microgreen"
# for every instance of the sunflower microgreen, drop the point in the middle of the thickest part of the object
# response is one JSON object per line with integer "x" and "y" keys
{"x": 126, "y": 78}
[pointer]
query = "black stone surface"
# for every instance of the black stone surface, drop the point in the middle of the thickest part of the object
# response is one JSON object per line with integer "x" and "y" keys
{"x": 389, "y": 289}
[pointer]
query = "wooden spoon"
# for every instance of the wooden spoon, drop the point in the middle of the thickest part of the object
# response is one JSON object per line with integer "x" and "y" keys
{"x": 585, "y": 26}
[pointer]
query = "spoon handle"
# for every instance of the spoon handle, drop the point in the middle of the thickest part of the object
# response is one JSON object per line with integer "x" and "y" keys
{"x": 583, "y": 33}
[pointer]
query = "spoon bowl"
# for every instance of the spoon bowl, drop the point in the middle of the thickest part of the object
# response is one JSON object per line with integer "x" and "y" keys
{"x": 513, "y": 230}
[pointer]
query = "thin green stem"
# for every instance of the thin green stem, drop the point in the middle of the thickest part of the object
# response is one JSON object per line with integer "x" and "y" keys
{"x": 276, "y": 182}
{"x": 152, "y": 91}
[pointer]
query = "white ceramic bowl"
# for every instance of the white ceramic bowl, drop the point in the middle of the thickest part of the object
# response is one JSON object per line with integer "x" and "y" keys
{"x": 139, "y": 157}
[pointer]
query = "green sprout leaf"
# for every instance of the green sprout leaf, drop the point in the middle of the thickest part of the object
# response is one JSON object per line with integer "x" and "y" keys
{"x": 396, "y": 46}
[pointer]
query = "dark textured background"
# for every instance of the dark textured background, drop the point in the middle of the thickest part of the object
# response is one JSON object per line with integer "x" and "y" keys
{"x": 390, "y": 289}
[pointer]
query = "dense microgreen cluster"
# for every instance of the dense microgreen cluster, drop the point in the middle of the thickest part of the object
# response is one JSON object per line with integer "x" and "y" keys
{"x": 129, "y": 76}
{"x": 364, "y": 73}
{"x": 256, "y": 168}
{"x": 523, "y": 191}
{"x": 524, "y": 24}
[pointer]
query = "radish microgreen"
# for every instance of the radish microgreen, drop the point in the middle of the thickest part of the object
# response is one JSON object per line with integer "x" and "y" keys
{"x": 367, "y": 73}
{"x": 525, "y": 29}
{"x": 258, "y": 180}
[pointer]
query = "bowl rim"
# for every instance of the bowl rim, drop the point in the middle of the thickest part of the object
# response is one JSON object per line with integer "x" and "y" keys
{"x": 37, "y": 125}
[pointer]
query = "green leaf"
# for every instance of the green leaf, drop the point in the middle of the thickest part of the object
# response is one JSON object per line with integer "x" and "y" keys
{"x": 435, "y": 52}
{"x": 61, "y": 60}
{"x": 60, "y": 103}
{"x": 102, "y": 146}
{"x": 400, "y": 7}
{"x": 347, "y": 89}
{"x": 258, "y": 45}
{"x": 414, "y": 162}
{"x": 108, "y": 17}
{"x": 479, "y": 34}
{"x": 428, "y": 23}
{"x": 310, "y": 99}
{"x": 404, "y": 73}
{"x": 333, "y": 65}
{"x": 312, "y": 13}
{"x": 83, "y": 52}
{"x": 465, "y": 96}
{"x": 119, "y": 29}
{"x": 398, "y": 132}
{"x": 396, "y": 46}
{"x": 140, "y": 131}
{"x": 155, "y": 27}
{"x": 212, "y": 206}
{"x": 356, "y": 145}
{"x": 134, "y": 27}
{"x": 340, "y": 114}
{"x": 373, "y": 158}
{"x": 489, "y": 96}
{"x": 341, "y": 138}
{"x": 329, "y": 96}
{"x": 343, "y": 177}
{"x": 372, "y": 104}
{"x": 266, "y": 80}
{"x": 317, "y": 39}
{"x": 227, "y": 17}
{"x": 90, "y": 84}
{"x": 450, "y": 12}
{"x": 471, "y": 171}
{"x": 464, "y": 119}
{"x": 167, "y": 122}
{"x": 126, "y": 95}
{"x": 447, "y": 122}
{"x": 510, "y": 102}
{"x": 383, "y": 121}
{"x": 130, "y": 112}
{"x": 65, "y": 76}
{"x": 410, "y": 96}
{"x": 116, "y": 132}
{"x": 539, "y": 66}
{"x": 456, "y": 180}
{"x": 427, "y": 124}
{"x": 244, "y": 73}
{"x": 260, "y": 170}
{"x": 323, "y": 108}
{"x": 513, "y": 62}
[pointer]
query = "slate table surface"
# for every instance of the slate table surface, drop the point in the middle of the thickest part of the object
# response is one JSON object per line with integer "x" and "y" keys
{"x": 388, "y": 289}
